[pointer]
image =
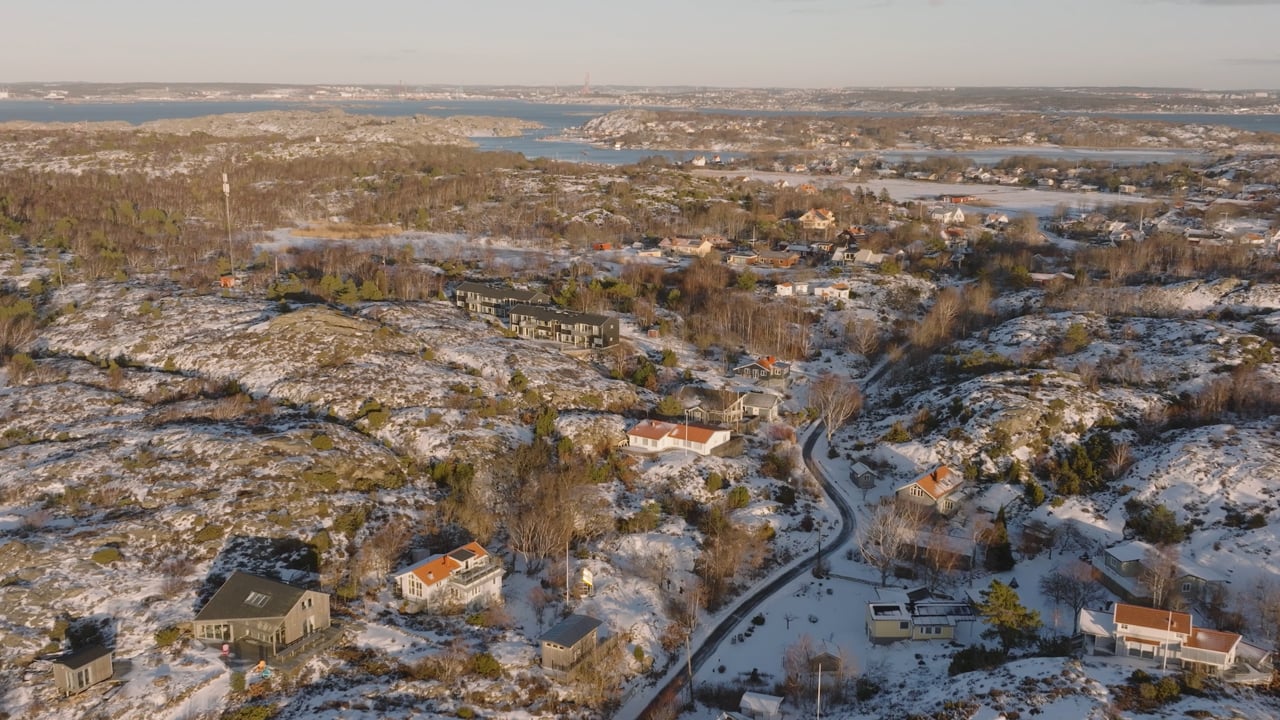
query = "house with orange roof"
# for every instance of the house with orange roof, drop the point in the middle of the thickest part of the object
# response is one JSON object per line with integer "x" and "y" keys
{"x": 1165, "y": 636}
{"x": 659, "y": 435}
{"x": 765, "y": 367}
{"x": 464, "y": 577}
{"x": 935, "y": 489}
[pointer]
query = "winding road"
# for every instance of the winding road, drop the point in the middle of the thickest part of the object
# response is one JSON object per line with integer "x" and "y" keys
{"x": 750, "y": 602}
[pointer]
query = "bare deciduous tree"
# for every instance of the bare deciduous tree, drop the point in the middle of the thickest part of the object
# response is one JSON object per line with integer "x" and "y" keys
{"x": 888, "y": 536}
{"x": 863, "y": 336}
{"x": 1159, "y": 568}
{"x": 836, "y": 399}
{"x": 1073, "y": 586}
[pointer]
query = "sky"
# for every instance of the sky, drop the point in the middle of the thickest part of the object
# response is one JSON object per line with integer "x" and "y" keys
{"x": 1217, "y": 44}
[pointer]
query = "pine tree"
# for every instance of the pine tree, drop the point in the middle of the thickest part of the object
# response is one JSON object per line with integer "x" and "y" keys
{"x": 1011, "y": 622}
{"x": 999, "y": 557}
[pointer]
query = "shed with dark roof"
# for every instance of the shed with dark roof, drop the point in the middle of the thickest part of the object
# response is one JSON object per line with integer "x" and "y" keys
{"x": 566, "y": 643}
{"x": 82, "y": 668}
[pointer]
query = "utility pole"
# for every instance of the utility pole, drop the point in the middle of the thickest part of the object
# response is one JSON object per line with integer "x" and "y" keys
{"x": 226, "y": 197}
{"x": 819, "y": 691}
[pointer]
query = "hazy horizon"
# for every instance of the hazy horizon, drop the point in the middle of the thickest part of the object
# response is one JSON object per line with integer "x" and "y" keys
{"x": 1186, "y": 44}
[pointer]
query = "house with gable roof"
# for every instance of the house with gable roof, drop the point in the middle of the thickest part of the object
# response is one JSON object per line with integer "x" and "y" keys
{"x": 818, "y": 219}
{"x": 658, "y": 435}
{"x": 467, "y": 576}
{"x": 1165, "y": 636}
{"x": 936, "y": 489}
{"x": 260, "y": 617}
{"x": 764, "y": 367}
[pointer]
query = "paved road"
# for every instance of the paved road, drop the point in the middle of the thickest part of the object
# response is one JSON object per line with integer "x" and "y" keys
{"x": 749, "y": 603}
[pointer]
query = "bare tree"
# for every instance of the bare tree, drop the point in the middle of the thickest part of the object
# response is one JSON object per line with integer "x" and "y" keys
{"x": 940, "y": 557}
{"x": 797, "y": 678}
{"x": 1073, "y": 586}
{"x": 1159, "y": 568}
{"x": 836, "y": 399}
{"x": 888, "y": 536}
{"x": 863, "y": 336}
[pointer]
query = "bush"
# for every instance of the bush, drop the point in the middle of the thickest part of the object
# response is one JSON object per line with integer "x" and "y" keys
{"x": 896, "y": 434}
{"x": 465, "y": 712}
{"x": 168, "y": 635}
{"x": 486, "y": 665}
{"x": 865, "y": 689}
{"x": 758, "y": 619}
{"x": 237, "y": 682}
{"x": 250, "y": 712}
{"x": 739, "y": 497}
{"x": 106, "y": 556}
{"x": 715, "y": 481}
{"x": 208, "y": 533}
{"x": 322, "y": 442}
{"x": 973, "y": 658}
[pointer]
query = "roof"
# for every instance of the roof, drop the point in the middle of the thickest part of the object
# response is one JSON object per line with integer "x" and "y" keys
{"x": 759, "y": 702}
{"x": 760, "y": 400}
{"x": 1213, "y": 640}
{"x": 938, "y": 482}
{"x": 695, "y": 433}
{"x": 708, "y": 399}
{"x": 1167, "y": 620}
{"x": 543, "y": 312}
{"x": 83, "y": 656}
{"x": 652, "y": 429}
{"x": 504, "y": 293}
{"x": 244, "y": 596}
{"x": 1097, "y": 623}
{"x": 571, "y": 630}
{"x": 439, "y": 567}
{"x": 859, "y": 469}
{"x": 1130, "y": 551}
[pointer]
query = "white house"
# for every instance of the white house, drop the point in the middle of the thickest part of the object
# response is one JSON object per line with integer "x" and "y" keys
{"x": 467, "y": 576}
{"x": 1165, "y": 636}
{"x": 657, "y": 435}
{"x": 837, "y": 291}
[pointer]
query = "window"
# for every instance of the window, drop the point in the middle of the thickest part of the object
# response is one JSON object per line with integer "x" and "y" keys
{"x": 257, "y": 599}
{"x": 215, "y": 631}
{"x": 82, "y": 678}
{"x": 904, "y": 625}
{"x": 1186, "y": 587}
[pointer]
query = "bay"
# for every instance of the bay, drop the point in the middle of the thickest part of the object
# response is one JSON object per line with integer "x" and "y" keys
{"x": 556, "y": 118}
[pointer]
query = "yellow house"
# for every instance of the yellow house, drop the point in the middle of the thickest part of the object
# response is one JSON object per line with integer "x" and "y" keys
{"x": 888, "y": 622}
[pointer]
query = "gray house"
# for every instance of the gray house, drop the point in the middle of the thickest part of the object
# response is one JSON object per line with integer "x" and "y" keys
{"x": 539, "y": 322}
{"x": 80, "y": 669}
{"x": 495, "y": 301}
{"x": 260, "y": 617}
{"x": 565, "y": 644}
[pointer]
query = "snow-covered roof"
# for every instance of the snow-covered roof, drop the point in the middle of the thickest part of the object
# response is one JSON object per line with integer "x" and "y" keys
{"x": 1097, "y": 623}
{"x": 1130, "y": 551}
{"x": 759, "y": 702}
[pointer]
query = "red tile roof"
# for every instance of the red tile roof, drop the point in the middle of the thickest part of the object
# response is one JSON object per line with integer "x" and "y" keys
{"x": 1214, "y": 640}
{"x": 939, "y": 482}
{"x": 438, "y": 568}
{"x": 1165, "y": 620}
{"x": 693, "y": 433}
{"x": 651, "y": 429}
